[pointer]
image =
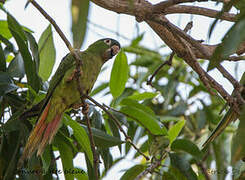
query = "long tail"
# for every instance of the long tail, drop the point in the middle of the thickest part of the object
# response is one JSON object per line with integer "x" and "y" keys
{"x": 230, "y": 116}
{"x": 42, "y": 134}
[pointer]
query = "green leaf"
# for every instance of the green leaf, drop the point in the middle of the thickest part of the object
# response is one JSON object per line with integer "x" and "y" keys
{"x": 233, "y": 38}
{"x": 133, "y": 103}
{"x": 187, "y": 146}
{"x": 6, "y": 84}
{"x": 119, "y": 74}
{"x": 9, "y": 45}
{"x": 46, "y": 158}
{"x": 142, "y": 96}
{"x": 34, "y": 48}
{"x": 175, "y": 130}
{"x": 14, "y": 26}
{"x": 136, "y": 41}
{"x": 47, "y": 53}
{"x": 79, "y": 10}
{"x": 238, "y": 143}
{"x": 99, "y": 89}
{"x": 114, "y": 129}
{"x": 66, "y": 155}
{"x": 80, "y": 135}
{"x": 133, "y": 172}
{"x": 102, "y": 139}
{"x": 4, "y": 30}
{"x": 181, "y": 163}
{"x": 20, "y": 38}
{"x": 2, "y": 60}
{"x": 16, "y": 67}
{"x": 166, "y": 119}
{"x": 145, "y": 119}
{"x": 90, "y": 169}
{"x": 107, "y": 158}
{"x": 96, "y": 118}
{"x": 80, "y": 174}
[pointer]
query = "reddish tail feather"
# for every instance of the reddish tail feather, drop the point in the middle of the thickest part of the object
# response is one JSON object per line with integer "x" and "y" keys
{"x": 42, "y": 134}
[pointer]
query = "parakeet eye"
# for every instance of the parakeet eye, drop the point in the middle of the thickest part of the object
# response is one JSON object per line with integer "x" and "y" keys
{"x": 108, "y": 41}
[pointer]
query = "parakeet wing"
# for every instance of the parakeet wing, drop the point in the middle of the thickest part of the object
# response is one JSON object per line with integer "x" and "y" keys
{"x": 66, "y": 63}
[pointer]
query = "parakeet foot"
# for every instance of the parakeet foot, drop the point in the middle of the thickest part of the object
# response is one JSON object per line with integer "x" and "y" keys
{"x": 85, "y": 108}
{"x": 77, "y": 106}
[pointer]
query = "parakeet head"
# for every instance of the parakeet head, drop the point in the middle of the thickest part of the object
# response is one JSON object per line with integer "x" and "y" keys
{"x": 106, "y": 48}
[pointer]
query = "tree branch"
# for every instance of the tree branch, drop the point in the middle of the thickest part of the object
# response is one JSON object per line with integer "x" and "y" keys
{"x": 199, "y": 11}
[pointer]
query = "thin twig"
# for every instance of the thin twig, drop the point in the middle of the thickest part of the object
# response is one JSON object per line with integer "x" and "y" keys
{"x": 128, "y": 138}
{"x": 152, "y": 167}
{"x": 159, "y": 7}
{"x": 228, "y": 76}
{"x": 236, "y": 58}
{"x": 169, "y": 61}
{"x": 200, "y": 11}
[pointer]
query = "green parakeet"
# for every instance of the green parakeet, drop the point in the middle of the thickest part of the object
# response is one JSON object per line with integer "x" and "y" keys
{"x": 63, "y": 94}
{"x": 229, "y": 117}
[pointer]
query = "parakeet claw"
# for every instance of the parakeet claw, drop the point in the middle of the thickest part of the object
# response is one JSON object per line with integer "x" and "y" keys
{"x": 77, "y": 106}
{"x": 85, "y": 108}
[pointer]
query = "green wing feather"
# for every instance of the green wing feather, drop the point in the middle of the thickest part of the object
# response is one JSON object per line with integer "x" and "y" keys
{"x": 66, "y": 63}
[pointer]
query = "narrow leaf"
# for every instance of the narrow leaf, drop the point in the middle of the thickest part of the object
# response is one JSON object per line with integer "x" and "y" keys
{"x": 80, "y": 135}
{"x": 4, "y": 30}
{"x": 178, "y": 161}
{"x": 20, "y": 38}
{"x": 131, "y": 102}
{"x": 99, "y": 89}
{"x": 133, "y": 172}
{"x": 119, "y": 74}
{"x": 233, "y": 38}
{"x": 79, "y": 10}
{"x": 187, "y": 146}
{"x": 34, "y": 48}
{"x": 238, "y": 143}
{"x": 146, "y": 120}
{"x": 2, "y": 59}
{"x": 6, "y": 84}
{"x": 16, "y": 67}
{"x": 142, "y": 96}
{"x": 46, "y": 158}
{"x": 66, "y": 155}
{"x": 102, "y": 139}
{"x": 47, "y": 53}
{"x": 80, "y": 174}
{"x": 175, "y": 130}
